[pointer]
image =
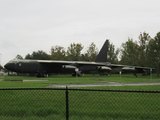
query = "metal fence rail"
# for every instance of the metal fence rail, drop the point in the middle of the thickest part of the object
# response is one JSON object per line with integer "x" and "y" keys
{"x": 78, "y": 104}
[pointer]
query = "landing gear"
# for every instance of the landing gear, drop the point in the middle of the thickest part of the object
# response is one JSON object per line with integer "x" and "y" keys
{"x": 41, "y": 75}
{"x": 103, "y": 73}
{"x": 78, "y": 73}
{"x": 135, "y": 74}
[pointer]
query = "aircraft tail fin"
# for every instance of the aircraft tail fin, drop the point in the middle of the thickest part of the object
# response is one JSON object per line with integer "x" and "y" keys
{"x": 102, "y": 56}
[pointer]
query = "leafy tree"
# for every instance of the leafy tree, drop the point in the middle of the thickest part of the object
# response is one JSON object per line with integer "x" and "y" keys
{"x": 152, "y": 53}
{"x": 40, "y": 55}
{"x": 74, "y": 52}
{"x": 19, "y": 57}
{"x": 58, "y": 53}
{"x": 144, "y": 38}
{"x": 157, "y": 51}
{"x": 28, "y": 56}
{"x": 91, "y": 53}
{"x": 1, "y": 67}
{"x": 129, "y": 52}
{"x": 154, "y": 50}
{"x": 112, "y": 55}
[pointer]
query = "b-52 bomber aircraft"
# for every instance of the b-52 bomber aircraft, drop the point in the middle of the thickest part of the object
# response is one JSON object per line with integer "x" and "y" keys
{"x": 43, "y": 67}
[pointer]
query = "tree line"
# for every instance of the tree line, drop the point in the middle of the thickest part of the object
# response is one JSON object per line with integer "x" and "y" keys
{"x": 142, "y": 52}
{"x": 73, "y": 53}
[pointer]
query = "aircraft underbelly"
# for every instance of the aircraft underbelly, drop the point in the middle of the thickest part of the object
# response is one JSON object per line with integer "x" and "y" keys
{"x": 87, "y": 68}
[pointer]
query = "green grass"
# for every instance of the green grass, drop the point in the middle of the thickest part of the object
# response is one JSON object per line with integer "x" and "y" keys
{"x": 47, "y": 104}
{"x": 117, "y": 105}
{"x": 28, "y": 104}
{"x": 15, "y": 81}
{"x": 83, "y": 105}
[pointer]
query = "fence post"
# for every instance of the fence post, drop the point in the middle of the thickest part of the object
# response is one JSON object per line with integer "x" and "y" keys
{"x": 67, "y": 104}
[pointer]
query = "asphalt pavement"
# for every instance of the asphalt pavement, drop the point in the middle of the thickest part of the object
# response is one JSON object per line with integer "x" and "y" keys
{"x": 104, "y": 84}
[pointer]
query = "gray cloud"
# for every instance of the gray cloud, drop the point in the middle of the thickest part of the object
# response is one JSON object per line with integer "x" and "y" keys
{"x": 31, "y": 25}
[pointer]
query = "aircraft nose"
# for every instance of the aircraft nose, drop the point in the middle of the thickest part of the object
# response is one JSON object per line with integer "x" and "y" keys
{"x": 8, "y": 66}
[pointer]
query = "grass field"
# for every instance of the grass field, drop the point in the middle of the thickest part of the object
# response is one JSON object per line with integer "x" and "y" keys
{"x": 83, "y": 105}
{"x": 16, "y": 81}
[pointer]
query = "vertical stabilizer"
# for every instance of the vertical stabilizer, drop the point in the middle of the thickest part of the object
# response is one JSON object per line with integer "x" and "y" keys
{"x": 102, "y": 56}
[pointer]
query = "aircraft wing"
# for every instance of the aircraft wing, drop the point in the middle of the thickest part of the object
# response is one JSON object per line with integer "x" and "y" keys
{"x": 128, "y": 67}
{"x": 73, "y": 63}
{"x": 81, "y": 63}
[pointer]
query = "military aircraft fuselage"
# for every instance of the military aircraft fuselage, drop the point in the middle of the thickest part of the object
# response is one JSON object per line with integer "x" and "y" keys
{"x": 32, "y": 66}
{"x": 42, "y": 67}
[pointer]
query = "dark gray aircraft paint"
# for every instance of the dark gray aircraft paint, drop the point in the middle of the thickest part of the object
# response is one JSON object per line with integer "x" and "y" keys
{"x": 42, "y": 67}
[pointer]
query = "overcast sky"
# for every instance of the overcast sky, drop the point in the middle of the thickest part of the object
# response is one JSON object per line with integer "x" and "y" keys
{"x": 32, "y": 25}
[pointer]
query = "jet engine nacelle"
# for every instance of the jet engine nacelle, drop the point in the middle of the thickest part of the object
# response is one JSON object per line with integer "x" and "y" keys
{"x": 104, "y": 68}
{"x": 128, "y": 68}
{"x": 69, "y": 67}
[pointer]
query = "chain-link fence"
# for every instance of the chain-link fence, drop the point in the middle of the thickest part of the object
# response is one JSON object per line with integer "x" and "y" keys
{"x": 78, "y": 104}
